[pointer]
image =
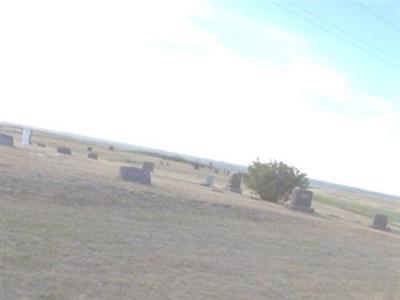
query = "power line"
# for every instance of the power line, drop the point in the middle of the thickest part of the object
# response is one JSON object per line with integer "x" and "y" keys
{"x": 375, "y": 15}
{"x": 338, "y": 36}
{"x": 354, "y": 36}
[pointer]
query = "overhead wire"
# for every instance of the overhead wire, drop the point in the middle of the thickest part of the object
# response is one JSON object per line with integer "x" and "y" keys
{"x": 376, "y": 15}
{"x": 335, "y": 34}
{"x": 352, "y": 35}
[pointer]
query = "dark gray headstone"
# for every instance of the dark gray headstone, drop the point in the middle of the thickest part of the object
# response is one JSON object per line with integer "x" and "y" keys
{"x": 41, "y": 145}
{"x": 148, "y": 166}
{"x": 111, "y": 148}
{"x": 89, "y": 149}
{"x": 235, "y": 183}
{"x": 64, "y": 150}
{"x": 300, "y": 199}
{"x": 135, "y": 175}
{"x": 93, "y": 155}
{"x": 7, "y": 140}
{"x": 380, "y": 222}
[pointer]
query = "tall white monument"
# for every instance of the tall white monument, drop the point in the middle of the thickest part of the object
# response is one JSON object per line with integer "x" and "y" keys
{"x": 26, "y": 137}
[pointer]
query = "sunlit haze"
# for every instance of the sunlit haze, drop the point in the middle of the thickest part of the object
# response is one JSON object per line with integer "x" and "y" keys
{"x": 223, "y": 81}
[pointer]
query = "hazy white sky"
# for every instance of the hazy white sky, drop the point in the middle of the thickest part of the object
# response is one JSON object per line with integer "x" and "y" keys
{"x": 149, "y": 73}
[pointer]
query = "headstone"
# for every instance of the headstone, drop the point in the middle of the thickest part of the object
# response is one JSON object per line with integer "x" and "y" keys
{"x": 196, "y": 166}
{"x": 209, "y": 181}
{"x": 89, "y": 149}
{"x": 380, "y": 222}
{"x": 148, "y": 166}
{"x": 26, "y": 137}
{"x": 64, "y": 150}
{"x": 111, "y": 148}
{"x": 300, "y": 199}
{"x": 41, "y": 145}
{"x": 6, "y": 139}
{"x": 235, "y": 182}
{"x": 135, "y": 175}
{"x": 92, "y": 155}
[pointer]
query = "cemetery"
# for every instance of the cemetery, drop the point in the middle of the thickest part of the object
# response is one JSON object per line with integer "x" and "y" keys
{"x": 94, "y": 224}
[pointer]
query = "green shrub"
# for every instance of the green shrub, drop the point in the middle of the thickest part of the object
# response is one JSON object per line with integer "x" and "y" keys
{"x": 272, "y": 180}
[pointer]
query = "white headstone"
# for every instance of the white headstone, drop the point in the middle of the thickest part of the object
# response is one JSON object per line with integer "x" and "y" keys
{"x": 26, "y": 137}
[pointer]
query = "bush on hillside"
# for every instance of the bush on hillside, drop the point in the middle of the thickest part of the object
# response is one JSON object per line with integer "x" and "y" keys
{"x": 272, "y": 180}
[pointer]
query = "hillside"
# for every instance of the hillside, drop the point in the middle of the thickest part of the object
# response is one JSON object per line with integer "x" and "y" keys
{"x": 318, "y": 184}
{"x": 71, "y": 229}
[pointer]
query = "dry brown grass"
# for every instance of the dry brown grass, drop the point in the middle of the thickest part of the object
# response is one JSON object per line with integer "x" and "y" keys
{"x": 70, "y": 229}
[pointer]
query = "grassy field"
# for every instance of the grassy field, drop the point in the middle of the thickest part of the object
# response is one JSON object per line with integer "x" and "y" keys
{"x": 70, "y": 229}
{"x": 362, "y": 209}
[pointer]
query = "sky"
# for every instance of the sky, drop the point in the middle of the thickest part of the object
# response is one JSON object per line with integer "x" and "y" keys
{"x": 315, "y": 84}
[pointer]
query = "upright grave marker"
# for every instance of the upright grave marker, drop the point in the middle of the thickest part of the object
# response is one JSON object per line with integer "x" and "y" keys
{"x": 64, "y": 150}
{"x": 135, "y": 175}
{"x": 380, "y": 222}
{"x": 235, "y": 182}
{"x": 7, "y": 140}
{"x": 26, "y": 138}
{"x": 93, "y": 155}
{"x": 148, "y": 166}
{"x": 300, "y": 199}
{"x": 209, "y": 181}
